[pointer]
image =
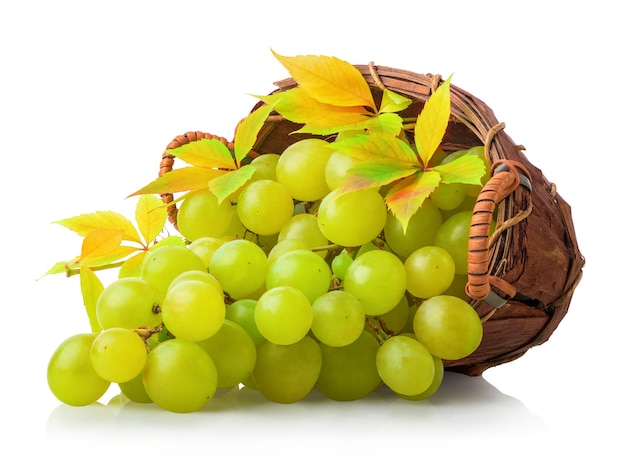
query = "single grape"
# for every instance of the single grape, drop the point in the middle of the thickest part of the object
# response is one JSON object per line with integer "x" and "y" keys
{"x": 135, "y": 390}
{"x": 164, "y": 263}
{"x": 265, "y": 166}
{"x": 352, "y": 219}
{"x": 71, "y": 377}
{"x": 287, "y": 373}
{"x": 420, "y": 231}
{"x": 338, "y": 318}
{"x": 336, "y": 168}
{"x": 240, "y": 266}
{"x": 405, "y": 365}
{"x": 242, "y": 313}
{"x": 264, "y": 206}
{"x": 303, "y": 270}
{"x": 349, "y": 373}
{"x": 285, "y": 246}
{"x": 118, "y": 354}
{"x": 429, "y": 271}
{"x": 193, "y": 310}
{"x": 233, "y": 352}
{"x": 204, "y": 247}
{"x": 201, "y": 215}
{"x": 395, "y": 319}
{"x": 180, "y": 376}
{"x": 283, "y": 315}
{"x": 202, "y": 276}
{"x": 448, "y": 195}
{"x": 448, "y": 326}
{"x": 434, "y": 386}
{"x": 378, "y": 279}
{"x": 340, "y": 264}
{"x": 304, "y": 227}
{"x": 301, "y": 169}
{"x": 130, "y": 303}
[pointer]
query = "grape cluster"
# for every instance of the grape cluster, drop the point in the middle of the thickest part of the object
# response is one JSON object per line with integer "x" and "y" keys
{"x": 283, "y": 287}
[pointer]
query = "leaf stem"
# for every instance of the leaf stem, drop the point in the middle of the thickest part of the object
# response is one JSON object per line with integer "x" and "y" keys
{"x": 72, "y": 272}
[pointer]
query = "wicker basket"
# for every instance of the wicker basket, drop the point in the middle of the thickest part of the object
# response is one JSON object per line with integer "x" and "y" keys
{"x": 521, "y": 280}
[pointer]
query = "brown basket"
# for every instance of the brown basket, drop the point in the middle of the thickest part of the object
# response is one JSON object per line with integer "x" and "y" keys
{"x": 521, "y": 280}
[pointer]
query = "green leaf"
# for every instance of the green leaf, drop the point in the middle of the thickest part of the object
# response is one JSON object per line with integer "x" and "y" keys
{"x": 209, "y": 153}
{"x": 58, "y": 268}
{"x": 466, "y": 169}
{"x": 224, "y": 186}
{"x": 432, "y": 122}
{"x": 248, "y": 129}
{"x": 91, "y": 288}
{"x": 376, "y": 146}
{"x": 407, "y": 196}
{"x": 393, "y": 102}
{"x": 150, "y": 214}
{"x": 183, "y": 179}
{"x": 84, "y": 224}
{"x": 374, "y": 174}
{"x": 329, "y": 79}
{"x": 388, "y": 123}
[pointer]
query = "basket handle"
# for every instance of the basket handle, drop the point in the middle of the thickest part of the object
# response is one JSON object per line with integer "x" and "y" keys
{"x": 506, "y": 176}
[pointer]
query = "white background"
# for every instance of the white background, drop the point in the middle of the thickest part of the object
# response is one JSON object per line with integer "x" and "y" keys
{"x": 92, "y": 92}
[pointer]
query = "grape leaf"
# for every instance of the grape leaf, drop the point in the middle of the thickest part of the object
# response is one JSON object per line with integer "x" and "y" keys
{"x": 374, "y": 174}
{"x": 432, "y": 122}
{"x": 329, "y": 79}
{"x": 183, "y": 179}
{"x": 99, "y": 243}
{"x": 407, "y": 196}
{"x": 248, "y": 129}
{"x": 468, "y": 169}
{"x": 387, "y": 123}
{"x": 84, "y": 224}
{"x": 132, "y": 266}
{"x": 224, "y": 186}
{"x": 210, "y": 153}
{"x": 375, "y": 146}
{"x": 150, "y": 215}
{"x": 393, "y": 102}
{"x": 91, "y": 288}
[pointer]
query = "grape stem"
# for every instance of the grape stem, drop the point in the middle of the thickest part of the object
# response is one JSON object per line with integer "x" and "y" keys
{"x": 380, "y": 330}
{"x": 72, "y": 272}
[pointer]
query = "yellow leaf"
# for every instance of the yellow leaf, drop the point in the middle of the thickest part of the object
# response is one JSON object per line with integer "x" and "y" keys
{"x": 432, "y": 122}
{"x": 132, "y": 266}
{"x": 84, "y": 224}
{"x": 248, "y": 129}
{"x": 211, "y": 153}
{"x": 99, "y": 244}
{"x": 183, "y": 179}
{"x": 150, "y": 215}
{"x": 91, "y": 288}
{"x": 329, "y": 79}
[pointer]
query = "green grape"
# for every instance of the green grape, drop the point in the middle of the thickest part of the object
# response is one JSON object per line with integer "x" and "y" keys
{"x": 180, "y": 376}
{"x": 163, "y": 264}
{"x": 453, "y": 236}
{"x": 408, "y": 326}
{"x": 233, "y": 352}
{"x": 434, "y": 386}
{"x": 118, "y": 354}
{"x": 240, "y": 266}
{"x": 193, "y": 310}
{"x": 405, "y": 365}
{"x": 301, "y": 169}
{"x": 457, "y": 287}
{"x": 420, "y": 231}
{"x": 352, "y": 219}
{"x": 340, "y": 264}
{"x": 130, "y": 303}
{"x": 448, "y": 195}
{"x": 242, "y": 313}
{"x": 287, "y": 373}
{"x": 265, "y": 167}
{"x": 236, "y": 229}
{"x": 468, "y": 204}
{"x": 71, "y": 377}
{"x": 378, "y": 279}
{"x": 303, "y": 270}
{"x": 448, "y": 326}
{"x": 304, "y": 227}
{"x": 395, "y": 319}
{"x": 283, "y": 315}
{"x": 202, "y": 276}
{"x": 285, "y": 246}
{"x": 349, "y": 373}
{"x": 336, "y": 168}
{"x": 264, "y": 206}
{"x": 338, "y": 318}
{"x": 201, "y": 215}
{"x": 204, "y": 247}
{"x": 135, "y": 390}
{"x": 429, "y": 271}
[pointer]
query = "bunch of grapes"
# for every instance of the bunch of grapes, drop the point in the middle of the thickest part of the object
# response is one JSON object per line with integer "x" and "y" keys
{"x": 285, "y": 286}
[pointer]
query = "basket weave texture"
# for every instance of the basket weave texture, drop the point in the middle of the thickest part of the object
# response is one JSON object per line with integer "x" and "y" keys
{"x": 531, "y": 265}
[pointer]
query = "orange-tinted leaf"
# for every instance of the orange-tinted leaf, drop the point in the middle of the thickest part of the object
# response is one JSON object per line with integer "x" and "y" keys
{"x": 374, "y": 174}
{"x": 248, "y": 129}
{"x": 183, "y": 179}
{"x": 393, "y": 102}
{"x": 91, "y": 288}
{"x": 150, "y": 214}
{"x": 376, "y": 146}
{"x": 467, "y": 169}
{"x": 132, "y": 266}
{"x": 99, "y": 243}
{"x": 224, "y": 186}
{"x": 210, "y": 153}
{"x": 432, "y": 122}
{"x": 408, "y": 195}
{"x": 329, "y": 79}
{"x": 84, "y": 224}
